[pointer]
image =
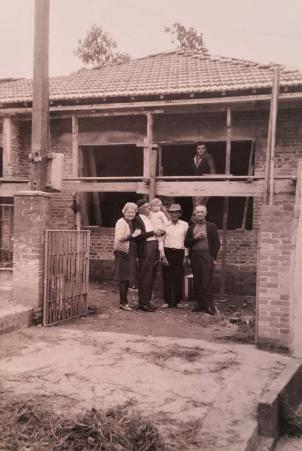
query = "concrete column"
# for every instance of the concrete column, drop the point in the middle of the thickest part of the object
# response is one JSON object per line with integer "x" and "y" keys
{"x": 31, "y": 219}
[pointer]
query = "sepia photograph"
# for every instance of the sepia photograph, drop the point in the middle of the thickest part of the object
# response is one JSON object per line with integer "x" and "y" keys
{"x": 150, "y": 225}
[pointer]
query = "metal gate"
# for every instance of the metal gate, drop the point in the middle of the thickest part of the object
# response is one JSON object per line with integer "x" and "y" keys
{"x": 66, "y": 275}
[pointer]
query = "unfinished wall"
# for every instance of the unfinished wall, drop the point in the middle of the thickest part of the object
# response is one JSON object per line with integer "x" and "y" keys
{"x": 279, "y": 287}
{"x": 242, "y": 245}
{"x": 241, "y": 257}
{"x": 276, "y": 245}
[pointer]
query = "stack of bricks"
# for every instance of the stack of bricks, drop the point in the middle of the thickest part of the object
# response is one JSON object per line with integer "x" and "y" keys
{"x": 274, "y": 275}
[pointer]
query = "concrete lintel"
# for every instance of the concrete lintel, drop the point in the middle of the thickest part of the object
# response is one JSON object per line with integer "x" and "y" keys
{"x": 33, "y": 193}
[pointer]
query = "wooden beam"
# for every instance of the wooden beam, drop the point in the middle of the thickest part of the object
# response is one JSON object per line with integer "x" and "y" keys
{"x": 9, "y": 189}
{"x": 275, "y": 96}
{"x": 212, "y": 189}
{"x": 95, "y": 196}
{"x": 40, "y": 113}
{"x": 180, "y": 188}
{"x": 101, "y": 187}
{"x": 160, "y": 161}
{"x": 82, "y": 198}
{"x": 111, "y": 138}
{"x": 118, "y": 107}
{"x": 250, "y": 172}
{"x": 75, "y": 165}
{"x": 226, "y": 204}
{"x": 150, "y": 157}
{"x": 271, "y": 138}
{"x": 75, "y": 146}
{"x": 91, "y": 114}
{"x": 7, "y": 148}
{"x": 228, "y": 142}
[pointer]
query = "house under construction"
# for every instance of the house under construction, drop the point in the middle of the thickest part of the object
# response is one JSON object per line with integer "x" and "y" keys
{"x": 130, "y": 130}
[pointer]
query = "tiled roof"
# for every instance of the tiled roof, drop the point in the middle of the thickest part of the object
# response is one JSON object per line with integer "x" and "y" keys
{"x": 171, "y": 73}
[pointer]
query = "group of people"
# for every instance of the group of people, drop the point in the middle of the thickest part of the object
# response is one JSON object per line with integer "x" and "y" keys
{"x": 146, "y": 237}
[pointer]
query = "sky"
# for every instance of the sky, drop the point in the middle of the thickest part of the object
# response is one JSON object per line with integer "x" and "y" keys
{"x": 258, "y": 30}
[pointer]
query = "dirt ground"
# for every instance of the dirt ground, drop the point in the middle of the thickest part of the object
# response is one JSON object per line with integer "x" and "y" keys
{"x": 180, "y": 384}
{"x": 187, "y": 372}
{"x": 235, "y": 322}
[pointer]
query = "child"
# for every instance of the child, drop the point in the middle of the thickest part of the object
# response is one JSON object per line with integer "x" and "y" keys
{"x": 159, "y": 221}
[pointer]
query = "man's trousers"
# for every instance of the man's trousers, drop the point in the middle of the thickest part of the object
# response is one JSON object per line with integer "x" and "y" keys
{"x": 202, "y": 265}
{"x": 147, "y": 269}
{"x": 173, "y": 276}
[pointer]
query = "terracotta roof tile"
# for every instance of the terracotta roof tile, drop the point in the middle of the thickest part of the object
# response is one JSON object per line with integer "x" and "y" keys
{"x": 176, "y": 72}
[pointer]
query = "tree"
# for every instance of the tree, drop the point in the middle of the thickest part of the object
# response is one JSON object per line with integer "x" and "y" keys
{"x": 186, "y": 38}
{"x": 98, "y": 49}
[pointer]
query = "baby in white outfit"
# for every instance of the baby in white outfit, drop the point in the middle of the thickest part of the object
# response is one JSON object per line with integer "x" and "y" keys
{"x": 159, "y": 221}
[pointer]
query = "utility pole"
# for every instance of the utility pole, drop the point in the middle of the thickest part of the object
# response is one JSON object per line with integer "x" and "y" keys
{"x": 40, "y": 114}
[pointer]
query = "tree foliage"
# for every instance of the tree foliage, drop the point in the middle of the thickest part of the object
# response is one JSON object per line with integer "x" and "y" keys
{"x": 186, "y": 38}
{"x": 99, "y": 49}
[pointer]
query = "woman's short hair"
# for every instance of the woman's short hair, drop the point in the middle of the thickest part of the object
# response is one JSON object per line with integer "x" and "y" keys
{"x": 129, "y": 206}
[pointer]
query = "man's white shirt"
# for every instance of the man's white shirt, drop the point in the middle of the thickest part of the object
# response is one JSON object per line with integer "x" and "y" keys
{"x": 175, "y": 234}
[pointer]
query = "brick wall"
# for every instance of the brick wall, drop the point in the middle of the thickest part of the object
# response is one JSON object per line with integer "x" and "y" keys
{"x": 242, "y": 245}
{"x": 31, "y": 216}
{"x": 274, "y": 269}
{"x": 61, "y": 215}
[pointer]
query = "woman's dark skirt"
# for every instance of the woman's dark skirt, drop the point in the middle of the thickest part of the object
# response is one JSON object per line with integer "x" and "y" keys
{"x": 126, "y": 265}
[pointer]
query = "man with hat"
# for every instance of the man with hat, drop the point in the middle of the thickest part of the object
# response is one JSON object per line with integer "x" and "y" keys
{"x": 174, "y": 259}
{"x": 148, "y": 255}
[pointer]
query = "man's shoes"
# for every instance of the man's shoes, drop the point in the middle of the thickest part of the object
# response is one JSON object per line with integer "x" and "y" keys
{"x": 126, "y": 307}
{"x": 211, "y": 310}
{"x": 165, "y": 305}
{"x": 180, "y": 306}
{"x": 151, "y": 306}
{"x": 145, "y": 308}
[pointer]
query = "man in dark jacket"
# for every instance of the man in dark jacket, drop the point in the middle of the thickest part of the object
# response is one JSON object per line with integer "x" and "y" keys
{"x": 203, "y": 163}
{"x": 203, "y": 242}
{"x": 148, "y": 255}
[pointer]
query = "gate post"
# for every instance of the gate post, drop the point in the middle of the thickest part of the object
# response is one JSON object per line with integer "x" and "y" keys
{"x": 31, "y": 219}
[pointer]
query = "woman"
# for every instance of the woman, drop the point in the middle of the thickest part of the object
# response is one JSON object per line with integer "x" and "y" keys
{"x": 126, "y": 253}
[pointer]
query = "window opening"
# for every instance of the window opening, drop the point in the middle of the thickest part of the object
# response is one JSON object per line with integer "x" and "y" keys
{"x": 177, "y": 160}
{"x": 112, "y": 161}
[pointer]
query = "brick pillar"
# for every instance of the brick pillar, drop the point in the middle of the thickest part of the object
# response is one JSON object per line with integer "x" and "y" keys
{"x": 276, "y": 248}
{"x": 296, "y": 281}
{"x": 31, "y": 218}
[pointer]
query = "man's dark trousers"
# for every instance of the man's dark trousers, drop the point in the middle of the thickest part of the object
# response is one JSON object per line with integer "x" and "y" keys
{"x": 173, "y": 276}
{"x": 202, "y": 265}
{"x": 147, "y": 265}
